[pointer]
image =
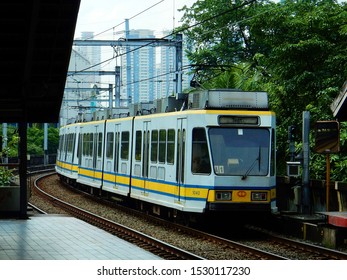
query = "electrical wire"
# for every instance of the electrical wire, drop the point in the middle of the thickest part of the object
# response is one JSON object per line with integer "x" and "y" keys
{"x": 134, "y": 16}
{"x": 174, "y": 32}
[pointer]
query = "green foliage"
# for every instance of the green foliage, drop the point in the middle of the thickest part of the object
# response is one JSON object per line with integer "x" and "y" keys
{"x": 35, "y": 135}
{"x": 295, "y": 50}
{"x": 5, "y": 176}
{"x": 12, "y": 143}
{"x": 35, "y": 141}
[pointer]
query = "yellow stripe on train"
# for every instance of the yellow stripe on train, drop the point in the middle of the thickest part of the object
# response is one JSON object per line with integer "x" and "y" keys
{"x": 188, "y": 192}
{"x": 90, "y": 173}
{"x": 67, "y": 166}
{"x": 120, "y": 179}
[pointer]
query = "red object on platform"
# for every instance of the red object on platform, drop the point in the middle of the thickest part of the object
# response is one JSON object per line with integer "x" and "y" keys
{"x": 338, "y": 219}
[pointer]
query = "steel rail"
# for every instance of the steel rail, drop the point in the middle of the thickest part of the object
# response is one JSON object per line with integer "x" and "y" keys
{"x": 254, "y": 253}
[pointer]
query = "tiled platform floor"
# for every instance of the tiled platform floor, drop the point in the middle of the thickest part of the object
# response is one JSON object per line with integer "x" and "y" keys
{"x": 52, "y": 237}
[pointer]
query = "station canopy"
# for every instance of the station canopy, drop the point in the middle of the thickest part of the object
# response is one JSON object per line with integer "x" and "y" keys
{"x": 339, "y": 105}
{"x": 36, "y": 42}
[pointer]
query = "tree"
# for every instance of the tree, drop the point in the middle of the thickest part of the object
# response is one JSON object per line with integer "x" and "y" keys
{"x": 296, "y": 50}
{"x": 35, "y": 137}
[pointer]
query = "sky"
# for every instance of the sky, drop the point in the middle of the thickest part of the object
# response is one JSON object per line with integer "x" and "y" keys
{"x": 100, "y": 15}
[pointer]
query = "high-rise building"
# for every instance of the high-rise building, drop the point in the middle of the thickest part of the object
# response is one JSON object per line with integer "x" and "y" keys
{"x": 138, "y": 69}
{"x": 92, "y": 53}
{"x": 166, "y": 70}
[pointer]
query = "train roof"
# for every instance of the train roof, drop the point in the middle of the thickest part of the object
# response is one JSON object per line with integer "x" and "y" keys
{"x": 199, "y": 102}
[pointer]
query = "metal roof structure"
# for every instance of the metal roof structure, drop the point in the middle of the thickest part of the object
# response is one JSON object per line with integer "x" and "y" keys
{"x": 339, "y": 105}
{"x": 36, "y": 42}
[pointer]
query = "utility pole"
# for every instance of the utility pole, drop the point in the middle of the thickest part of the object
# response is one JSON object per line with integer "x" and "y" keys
{"x": 110, "y": 96}
{"x": 178, "y": 69}
{"x": 117, "y": 86}
{"x": 306, "y": 203}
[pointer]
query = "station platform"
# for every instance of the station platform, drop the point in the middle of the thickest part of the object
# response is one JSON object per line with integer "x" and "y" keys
{"x": 57, "y": 237}
{"x": 325, "y": 228}
{"x": 337, "y": 219}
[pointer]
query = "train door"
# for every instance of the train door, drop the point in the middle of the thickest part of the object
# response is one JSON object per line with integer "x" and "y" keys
{"x": 180, "y": 166}
{"x": 145, "y": 155}
{"x": 80, "y": 147}
{"x": 96, "y": 153}
{"x": 116, "y": 151}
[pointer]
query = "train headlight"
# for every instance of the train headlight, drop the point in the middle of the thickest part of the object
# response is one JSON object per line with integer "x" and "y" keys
{"x": 223, "y": 195}
{"x": 259, "y": 196}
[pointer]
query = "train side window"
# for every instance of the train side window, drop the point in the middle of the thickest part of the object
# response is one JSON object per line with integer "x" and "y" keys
{"x": 162, "y": 145}
{"x": 61, "y": 137}
{"x": 73, "y": 145}
{"x": 66, "y": 146}
{"x": 109, "y": 145}
{"x": 125, "y": 145}
{"x": 138, "y": 142}
{"x": 79, "y": 146}
{"x": 64, "y": 143}
{"x": 171, "y": 146}
{"x": 99, "y": 144}
{"x": 91, "y": 143}
{"x": 154, "y": 146}
{"x": 88, "y": 144}
{"x": 69, "y": 142}
{"x": 200, "y": 155}
{"x": 116, "y": 152}
{"x": 85, "y": 147}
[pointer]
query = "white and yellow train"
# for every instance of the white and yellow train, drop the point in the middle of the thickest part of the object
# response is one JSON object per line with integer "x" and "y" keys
{"x": 218, "y": 155}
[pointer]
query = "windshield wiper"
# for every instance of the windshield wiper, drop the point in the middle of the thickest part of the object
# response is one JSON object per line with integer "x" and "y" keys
{"x": 252, "y": 165}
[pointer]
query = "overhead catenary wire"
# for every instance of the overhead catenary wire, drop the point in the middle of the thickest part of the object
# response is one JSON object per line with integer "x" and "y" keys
{"x": 174, "y": 32}
{"x": 119, "y": 24}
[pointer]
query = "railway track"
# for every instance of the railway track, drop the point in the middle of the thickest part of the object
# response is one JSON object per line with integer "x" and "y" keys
{"x": 295, "y": 247}
{"x": 217, "y": 244}
{"x": 212, "y": 246}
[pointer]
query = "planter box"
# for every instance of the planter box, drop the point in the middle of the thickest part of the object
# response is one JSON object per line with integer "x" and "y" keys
{"x": 9, "y": 198}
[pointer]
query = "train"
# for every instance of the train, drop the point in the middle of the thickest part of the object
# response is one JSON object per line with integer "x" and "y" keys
{"x": 204, "y": 154}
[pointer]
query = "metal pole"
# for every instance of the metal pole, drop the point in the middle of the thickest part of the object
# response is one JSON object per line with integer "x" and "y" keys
{"x": 4, "y": 142}
{"x": 23, "y": 170}
{"x": 45, "y": 143}
{"x": 110, "y": 96}
{"x": 178, "y": 66}
{"x": 306, "y": 163}
{"x": 117, "y": 86}
{"x": 327, "y": 181}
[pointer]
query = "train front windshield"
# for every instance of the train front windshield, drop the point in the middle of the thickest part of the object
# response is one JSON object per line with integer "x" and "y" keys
{"x": 240, "y": 151}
